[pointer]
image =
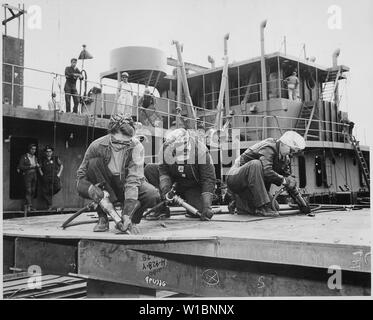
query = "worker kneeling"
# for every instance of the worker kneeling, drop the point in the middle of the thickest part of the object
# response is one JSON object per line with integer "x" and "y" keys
{"x": 258, "y": 167}
{"x": 117, "y": 161}
{"x": 184, "y": 159}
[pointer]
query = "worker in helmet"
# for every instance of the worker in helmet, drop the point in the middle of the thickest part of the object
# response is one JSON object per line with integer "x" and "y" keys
{"x": 186, "y": 161}
{"x": 117, "y": 159}
{"x": 125, "y": 96}
{"x": 258, "y": 167}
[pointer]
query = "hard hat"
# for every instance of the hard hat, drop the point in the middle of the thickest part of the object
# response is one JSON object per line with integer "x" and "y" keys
{"x": 294, "y": 140}
{"x": 125, "y": 74}
{"x": 179, "y": 135}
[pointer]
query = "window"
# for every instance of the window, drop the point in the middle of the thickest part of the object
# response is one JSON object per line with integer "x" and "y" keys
{"x": 302, "y": 172}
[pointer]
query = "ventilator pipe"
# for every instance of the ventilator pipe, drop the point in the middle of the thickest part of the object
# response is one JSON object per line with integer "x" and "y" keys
{"x": 262, "y": 61}
{"x": 335, "y": 56}
{"x": 263, "y": 75}
{"x": 212, "y": 61}
{"x": 226, "y": 38}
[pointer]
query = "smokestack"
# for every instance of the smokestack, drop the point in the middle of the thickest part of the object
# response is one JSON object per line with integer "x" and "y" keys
{"x": 262, "y": 61}
{"x": 211, "y": 61}
{"x": 335, "y": 56}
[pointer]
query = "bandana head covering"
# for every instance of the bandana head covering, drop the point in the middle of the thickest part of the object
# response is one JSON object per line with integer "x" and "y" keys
{"x": 121, "y": 122}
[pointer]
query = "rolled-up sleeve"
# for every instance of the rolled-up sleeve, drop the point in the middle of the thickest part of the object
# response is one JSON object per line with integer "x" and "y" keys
{"x": 135, "y": 173}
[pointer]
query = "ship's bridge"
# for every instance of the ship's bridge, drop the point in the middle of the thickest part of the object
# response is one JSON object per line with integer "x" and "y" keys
{"x": 314, "y": 112}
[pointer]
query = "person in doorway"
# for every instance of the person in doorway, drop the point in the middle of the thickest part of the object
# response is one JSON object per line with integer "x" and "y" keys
{"x": 261, "y": 165}
{"x": 225, "y": 196}
{"x": 125, "y": 96}
{"x": 72, "y": 73}
{"x": 29, "y": 166}
{"x": 51, "y": 169}
{"x": 292, "y": 83}
{"x": 117, "y": 161}
{"x": 186, "y": 161}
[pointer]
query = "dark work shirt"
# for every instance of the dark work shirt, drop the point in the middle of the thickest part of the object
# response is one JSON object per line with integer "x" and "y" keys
{"x": 70, "y": 78}
{"x": 146, "y": 101}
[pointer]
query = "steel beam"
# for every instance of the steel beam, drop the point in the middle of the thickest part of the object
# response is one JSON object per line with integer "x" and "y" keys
{"x": 97, "y": 289}
{"x": 54, "y": 257}
{"x": 198, "y": 276}
{"x": 306, "y": 254}
{"x": 8, "y": 254}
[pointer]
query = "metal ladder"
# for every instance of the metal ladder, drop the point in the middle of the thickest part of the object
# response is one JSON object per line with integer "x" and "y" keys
{"x": 361, "y": 158}
{"x": 330, "y": 85}
{"x": 306, "y": 115}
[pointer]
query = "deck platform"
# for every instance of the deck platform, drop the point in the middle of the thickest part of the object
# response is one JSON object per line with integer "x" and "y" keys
{"x": 232, "y": 255}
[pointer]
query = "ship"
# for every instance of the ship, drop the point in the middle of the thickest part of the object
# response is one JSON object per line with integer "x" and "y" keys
{"x": 236, "y": 105}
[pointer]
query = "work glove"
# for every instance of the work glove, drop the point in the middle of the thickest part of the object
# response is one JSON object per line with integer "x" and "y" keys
{"x": 95, "y": 193}
{"x": 130, "y": 206}
{"x": 290, "y": 182}
{"x": 165, "y": 185}
{"x": 207, "y": 212}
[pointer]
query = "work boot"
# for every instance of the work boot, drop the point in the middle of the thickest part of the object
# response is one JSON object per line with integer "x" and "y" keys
{"x": 103, "y": 221}
{"x": 266, "y": 211}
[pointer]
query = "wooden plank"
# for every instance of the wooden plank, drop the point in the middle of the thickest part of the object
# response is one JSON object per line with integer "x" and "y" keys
{"x": 57, "y": 292}
{"x": 24, "y": 281}
{"x": 207, "y": 277}
{"x": 51, "y": 256}
{"x": 45, "y": 284}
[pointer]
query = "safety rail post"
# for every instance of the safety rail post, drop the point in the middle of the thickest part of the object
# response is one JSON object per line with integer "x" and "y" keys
{"x": 12, "y": 85}
{"x": 102, "y": 99}
{"x": 169, "y": 115}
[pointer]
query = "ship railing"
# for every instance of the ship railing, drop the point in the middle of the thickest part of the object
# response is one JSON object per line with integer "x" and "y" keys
{"x": 257, "y": 127}
{"x": 95, "y": 104}
{"x": 327, "y": 130}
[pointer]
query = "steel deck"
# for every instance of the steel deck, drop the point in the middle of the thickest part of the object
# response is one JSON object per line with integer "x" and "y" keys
{"x": 289, "y": 255}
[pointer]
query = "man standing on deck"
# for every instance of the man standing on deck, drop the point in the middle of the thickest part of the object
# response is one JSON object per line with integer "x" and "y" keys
{"x": 258, "y": 167}
{"x": 28, "y": 166}
{"x": 117, "y": 159}
{"x": 184, "y": 160}
{"x": 72, "y": 73}
{"x": 293, "y": 83}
